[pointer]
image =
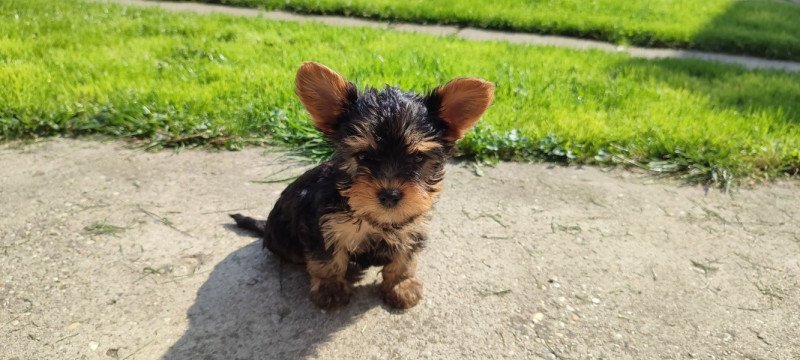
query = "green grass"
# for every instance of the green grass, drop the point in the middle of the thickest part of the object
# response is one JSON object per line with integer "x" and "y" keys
{"x": 103, "y": 228}
{"x": 766, "y": 28}
{"x": 177, "y": 79}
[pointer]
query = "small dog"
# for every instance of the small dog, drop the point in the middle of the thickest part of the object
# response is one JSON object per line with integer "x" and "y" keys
{"x": 369, "y": 205}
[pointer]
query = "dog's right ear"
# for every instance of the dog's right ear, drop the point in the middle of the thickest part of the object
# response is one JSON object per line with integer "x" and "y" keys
{"x": 324, "y": 93}
{"x": 460, "y": 103}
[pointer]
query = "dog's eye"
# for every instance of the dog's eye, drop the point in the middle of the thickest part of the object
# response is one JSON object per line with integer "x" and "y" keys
{"x": 361, "y": 157}
{"x": 419, "y": 158}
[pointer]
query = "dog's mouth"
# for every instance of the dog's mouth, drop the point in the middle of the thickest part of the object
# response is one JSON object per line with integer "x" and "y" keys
{"x": 388, "y": 203}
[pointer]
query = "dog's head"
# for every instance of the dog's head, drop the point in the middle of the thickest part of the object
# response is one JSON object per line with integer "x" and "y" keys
{"x": 391, "y": 144}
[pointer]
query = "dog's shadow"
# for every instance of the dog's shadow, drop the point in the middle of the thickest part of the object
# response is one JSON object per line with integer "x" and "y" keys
{"x": 253, "y": 306}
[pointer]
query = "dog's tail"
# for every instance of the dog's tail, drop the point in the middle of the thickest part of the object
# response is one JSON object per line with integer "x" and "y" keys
{"x": 248, "y": 223}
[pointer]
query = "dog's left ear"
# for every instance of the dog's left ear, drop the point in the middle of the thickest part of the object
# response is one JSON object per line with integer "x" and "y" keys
{"x": 460, "y": 103}
{"x": 324, "y": 93}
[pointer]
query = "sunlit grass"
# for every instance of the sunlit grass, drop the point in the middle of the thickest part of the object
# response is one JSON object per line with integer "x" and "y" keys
{"x": 173, "y": 79}
{"x": 768, "y": 28}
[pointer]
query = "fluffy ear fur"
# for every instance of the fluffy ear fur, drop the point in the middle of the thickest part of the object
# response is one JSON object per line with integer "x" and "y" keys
{"x": 461, "y": 102}
{"x": 324, "y": 93}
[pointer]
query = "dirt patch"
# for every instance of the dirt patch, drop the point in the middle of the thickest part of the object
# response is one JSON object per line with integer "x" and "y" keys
{"x": 107, "y": 252}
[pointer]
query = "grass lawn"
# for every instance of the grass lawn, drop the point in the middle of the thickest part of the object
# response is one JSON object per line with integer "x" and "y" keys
{"x": 70, "y": 67}
{"x": 766, "y": 28}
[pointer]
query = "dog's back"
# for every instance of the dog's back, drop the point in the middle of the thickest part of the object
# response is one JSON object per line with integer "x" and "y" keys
{"x": 292, "y": 227}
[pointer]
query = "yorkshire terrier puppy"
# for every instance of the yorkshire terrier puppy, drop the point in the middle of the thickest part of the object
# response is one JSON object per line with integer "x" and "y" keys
{"x": 369, "y": 205}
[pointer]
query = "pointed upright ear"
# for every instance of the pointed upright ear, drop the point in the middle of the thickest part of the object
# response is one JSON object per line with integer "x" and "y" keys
{"x": 324, "y": 93}
{"x": 461, "y": 102}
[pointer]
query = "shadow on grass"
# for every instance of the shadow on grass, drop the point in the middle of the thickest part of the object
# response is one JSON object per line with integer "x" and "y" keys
{"x": 761, "y": 140}
{"x": 760, "y": 28}
{"x": 765, "y": 28}
{"x": 728, "y": 86}
{"x": 740, "y": 29}
{"x": 253, "y": 306}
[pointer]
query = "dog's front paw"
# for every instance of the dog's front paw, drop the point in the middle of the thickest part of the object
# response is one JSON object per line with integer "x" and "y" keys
{"x": 403, "y": 295}
{"x": 331, "y": 294}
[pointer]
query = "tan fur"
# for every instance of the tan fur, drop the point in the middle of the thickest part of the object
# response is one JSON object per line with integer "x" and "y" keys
{"x": 329, "y": 288}
{"x": 350, "y": 166}
{"x": 402, "y": 240}
{"x": 354, "y": 145}
{"x": 329, "y": 269}
{"x": 363, "y": 200}
{"x": 323, "y": 92}
{"x": 464, "y": 100}
{"x": 402, "y": 267}
{"x": 348, "y": 234}
{"x": 344, "y": 233}
{"x": 400, "y": 287}
{"x": 360, "y": 143}
{"x": 423, "y": 146}
{"x": 330, "y": 294}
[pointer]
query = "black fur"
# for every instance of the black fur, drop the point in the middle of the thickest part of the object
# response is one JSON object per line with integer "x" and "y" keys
{"x": 391, "y": 115}
{"x": 258, "y": 227}
{"x": 370, "y": 204}
{"x": 292, "y": 229}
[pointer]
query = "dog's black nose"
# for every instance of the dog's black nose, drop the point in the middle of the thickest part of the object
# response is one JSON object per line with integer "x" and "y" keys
{"x": 390, "y": 197}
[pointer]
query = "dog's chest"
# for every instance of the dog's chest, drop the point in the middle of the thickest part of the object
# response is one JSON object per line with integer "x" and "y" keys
{"x": 341, "y": 232}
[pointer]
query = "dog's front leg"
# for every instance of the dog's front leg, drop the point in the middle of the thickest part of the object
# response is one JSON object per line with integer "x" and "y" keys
{"x": 400, "y": 287}
{"x": 329, "y": 287}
